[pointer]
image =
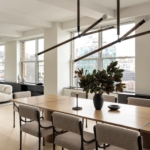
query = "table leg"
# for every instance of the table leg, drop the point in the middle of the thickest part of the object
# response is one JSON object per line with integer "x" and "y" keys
{"x": 47, "y": 116}
{"x": 146, "y": 139}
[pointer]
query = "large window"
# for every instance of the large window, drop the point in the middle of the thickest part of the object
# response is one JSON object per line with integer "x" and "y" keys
{"x": 32, "y": 67}
{"x": 83, "y": 46}
{"x": 2, "y": 61}
{"x": 123, "y": 52}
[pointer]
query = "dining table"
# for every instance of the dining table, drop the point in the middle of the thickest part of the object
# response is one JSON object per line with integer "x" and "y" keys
{"x": 128, "y": 116}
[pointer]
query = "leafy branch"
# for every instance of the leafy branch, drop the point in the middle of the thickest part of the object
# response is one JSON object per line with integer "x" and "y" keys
{"x": 108, "y": 80}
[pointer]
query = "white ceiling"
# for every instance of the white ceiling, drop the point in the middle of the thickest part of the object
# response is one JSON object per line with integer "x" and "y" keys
{"x": 36, "y": 9}
{"x": 123, "y": 3}
{"x": 17, "y": 16}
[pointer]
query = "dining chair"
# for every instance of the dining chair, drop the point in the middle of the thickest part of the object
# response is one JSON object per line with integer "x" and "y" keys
{"x": 15, "y": 106}
{"x": 110, "y": 98}
{"x": 81, "y": 95}
{"x": 38, "y": 128}
{"x": 139, "y": 101}
{"x": 118, "y": 138}
{"x": 75, "y": 138}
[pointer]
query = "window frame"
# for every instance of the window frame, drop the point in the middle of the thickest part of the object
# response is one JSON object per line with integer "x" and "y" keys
{"x": 36, "y": 61}
{"x": 99, "y": 58}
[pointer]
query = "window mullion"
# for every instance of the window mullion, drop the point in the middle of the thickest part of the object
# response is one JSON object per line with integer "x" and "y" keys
{"x": 100, "y": 53}
{"x": 36, "y": 61}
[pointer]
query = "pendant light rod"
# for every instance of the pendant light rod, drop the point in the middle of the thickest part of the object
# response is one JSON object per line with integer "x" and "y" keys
{"x": 95, "y": 51}
{"x": 110, "y": 44}
{"x": 118, "y": 17}
{"x": 137, "y": 35}
{"x": 94, "y": 24}
{"x": 78, "y": 16}
{"x": 101, "y": 30}
{"x": 133, "y": 29}
{"x": 69, "y": 40}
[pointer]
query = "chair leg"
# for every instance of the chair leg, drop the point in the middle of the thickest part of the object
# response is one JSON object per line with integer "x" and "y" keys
{"x": 83, "y": 121}
{"x": 25, "y": 120}
{"x": 86, "y": 123}
{"x": 39, "y": 143}
{"x": 96, "y": 145}
{"x": 43, "y": 114}
{"x": 43, "y": 141}
{"x": 53, "y": 146}
{"x": 62, "y": 148}
{"x": 14, "y": 119}
{"x": 20, "y": 140}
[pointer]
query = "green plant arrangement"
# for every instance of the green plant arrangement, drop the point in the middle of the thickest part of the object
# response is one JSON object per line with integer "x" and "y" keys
{"x": 98, "y": 82}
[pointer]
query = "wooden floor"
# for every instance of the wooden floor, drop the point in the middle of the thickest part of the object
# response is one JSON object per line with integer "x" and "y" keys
{"x": 9, "y": 136}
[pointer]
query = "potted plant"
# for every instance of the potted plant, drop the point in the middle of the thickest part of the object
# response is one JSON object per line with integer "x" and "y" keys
{"x": 98, "y": 82}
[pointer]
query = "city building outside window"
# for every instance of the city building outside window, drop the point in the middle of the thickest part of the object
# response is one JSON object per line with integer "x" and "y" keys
{"x": 2, "y": 62}
{"x": 123, "y": 52}
{"x": 32, "y": 68}
{"x": 81, "y": 47}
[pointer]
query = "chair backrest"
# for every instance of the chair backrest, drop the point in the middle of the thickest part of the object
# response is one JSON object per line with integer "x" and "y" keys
{"x": 110, "y": 98}
{"x": 66, "y": 122}
{"x": 81, "y": 95}
{"x": 29, "y": 112}
{"x": 23, "y": 94}
{"x": 139, "y": 101}
{"x": 117, "y": 136}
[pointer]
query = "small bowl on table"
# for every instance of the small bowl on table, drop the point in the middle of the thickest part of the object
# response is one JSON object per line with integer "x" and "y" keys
{"x": 113, "y": 107}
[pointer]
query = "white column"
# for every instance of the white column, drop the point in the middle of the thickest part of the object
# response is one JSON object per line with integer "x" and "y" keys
{"x": 143, "y": 60}
{"x": 56, "y": 61}
{"x": 12, "y": 59}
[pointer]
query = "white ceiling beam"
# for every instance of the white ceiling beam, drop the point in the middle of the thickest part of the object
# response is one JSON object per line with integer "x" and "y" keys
{"x": 88, "y": 8}
{"x": 23, "y": 36}
{"x": 135, "y": 11}
{"x": 127, "y": 14}
{"x": 71, "y": 24}
{"x": 96, "y": 7}
{"x": 19, "y": 19}
{"x": 35, "y": 32}
{"x": 4, "y": 39}
{"x": 10, "y": 33}
{"x": 86, "y": 21}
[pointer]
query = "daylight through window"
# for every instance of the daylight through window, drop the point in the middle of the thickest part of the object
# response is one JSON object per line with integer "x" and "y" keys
{"x": 123, "y": 52}
{"x": 33, "y": 67}
{"x": 2, "y": 61}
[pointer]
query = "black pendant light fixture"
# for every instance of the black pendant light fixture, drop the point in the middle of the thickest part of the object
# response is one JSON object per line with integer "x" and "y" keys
{"x": 104, "y": 17}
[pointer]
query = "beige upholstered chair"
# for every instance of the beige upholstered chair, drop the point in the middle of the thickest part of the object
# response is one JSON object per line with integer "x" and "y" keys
{"x": 81, "y": 95}
{"x": 75, "y": 138}
{"x": 110, "y": 98}
{"x": 118, "y": 138}
{"x": 19, "y": 95}
{"x": 139, "y": 101}
{"x": 38, "y": 128}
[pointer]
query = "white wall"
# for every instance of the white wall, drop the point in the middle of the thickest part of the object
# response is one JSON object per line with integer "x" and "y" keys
{"x": 11, "y": 61}
{"x": 143, "y": 60}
